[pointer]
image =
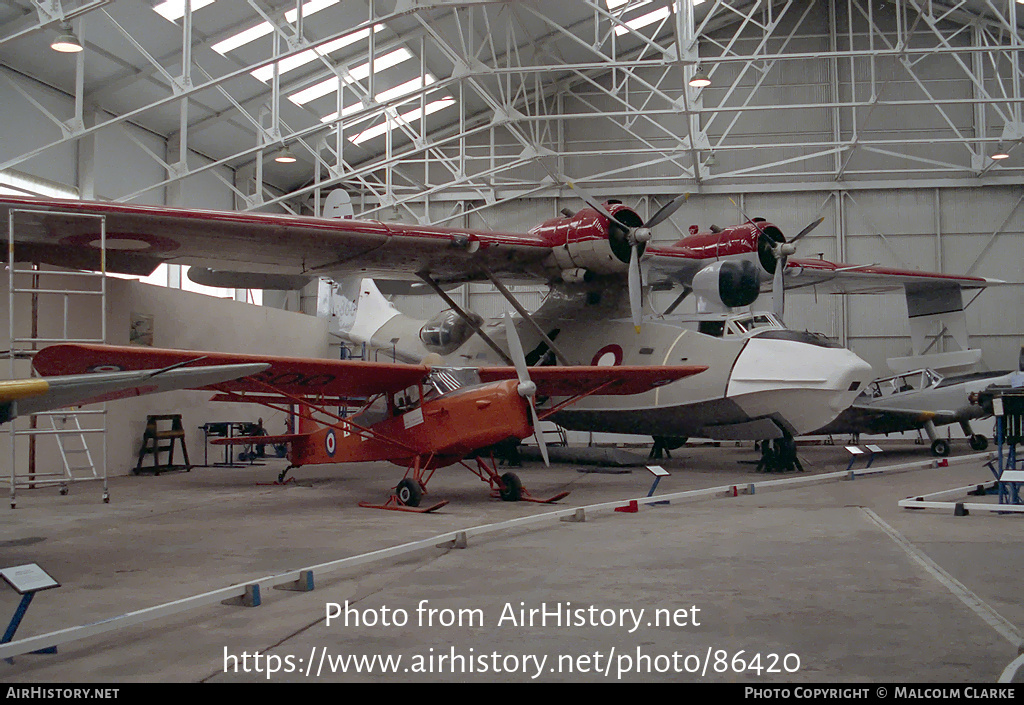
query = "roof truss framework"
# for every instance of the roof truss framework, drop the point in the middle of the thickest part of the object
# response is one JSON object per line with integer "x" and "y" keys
{"x": 804, "y": 94}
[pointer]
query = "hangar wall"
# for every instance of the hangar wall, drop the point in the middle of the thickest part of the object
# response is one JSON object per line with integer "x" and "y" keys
{"x": 181, "y": 319}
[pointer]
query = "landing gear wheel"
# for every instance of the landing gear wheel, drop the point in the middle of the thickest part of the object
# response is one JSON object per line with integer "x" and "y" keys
{"x": 979, "y": 442}
{"x": 513, "y": 490}
{"x": 664, "y": 444}
{"x": 409, "y": 493}
{"x": 940, "y": 448}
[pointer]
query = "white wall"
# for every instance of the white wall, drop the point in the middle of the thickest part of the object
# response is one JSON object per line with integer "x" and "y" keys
{"x": 182, "y": 320}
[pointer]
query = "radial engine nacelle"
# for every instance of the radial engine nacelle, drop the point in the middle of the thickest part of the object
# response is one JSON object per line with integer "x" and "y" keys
{"x": 589, "y": 242}
{"x": 730, "y": 264}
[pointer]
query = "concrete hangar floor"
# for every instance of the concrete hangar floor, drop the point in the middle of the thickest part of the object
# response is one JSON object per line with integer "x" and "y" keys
{"x": 817, "y": 582}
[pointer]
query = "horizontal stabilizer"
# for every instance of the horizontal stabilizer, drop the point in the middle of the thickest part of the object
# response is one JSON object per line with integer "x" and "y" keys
{"x": 260, "y": 440}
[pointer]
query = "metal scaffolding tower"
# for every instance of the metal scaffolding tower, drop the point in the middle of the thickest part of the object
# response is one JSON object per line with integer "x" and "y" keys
{"x": 75, "y": 294}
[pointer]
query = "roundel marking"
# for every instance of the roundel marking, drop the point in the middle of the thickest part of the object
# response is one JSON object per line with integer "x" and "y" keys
{"x": 132, "y": 242}
{"x": 608, "y": 356}
{"x": 106, "y": 368}
{"x": 330, "y": 443}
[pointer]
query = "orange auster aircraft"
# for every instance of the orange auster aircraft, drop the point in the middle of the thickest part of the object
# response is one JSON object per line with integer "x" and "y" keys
{"x": 434, "y": 417}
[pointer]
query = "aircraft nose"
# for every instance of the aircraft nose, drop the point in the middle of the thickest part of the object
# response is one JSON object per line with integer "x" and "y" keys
{"x": 808, "y": 384}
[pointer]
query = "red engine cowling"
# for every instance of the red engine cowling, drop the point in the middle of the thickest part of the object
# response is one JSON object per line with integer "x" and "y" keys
{"x": 758, "y": 236}
{"x": 589, "y": 240}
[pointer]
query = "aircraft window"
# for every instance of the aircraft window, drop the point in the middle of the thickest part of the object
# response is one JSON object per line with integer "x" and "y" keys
{"x": 715, "y": 328}
{"x": 407, "y": 399}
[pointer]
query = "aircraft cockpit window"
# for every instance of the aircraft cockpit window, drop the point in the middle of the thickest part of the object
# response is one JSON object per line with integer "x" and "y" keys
{"x": 713, "y": 328}
{"x": 743, "y": 326}
{"x": 407, "y": 399}
{"x": 449, "y": 379}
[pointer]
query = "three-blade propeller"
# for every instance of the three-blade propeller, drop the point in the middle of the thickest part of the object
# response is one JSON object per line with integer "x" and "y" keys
{"x": 527, "y": 388}
{"x": 781, "y": 252}
{"x": 637, "y": 238}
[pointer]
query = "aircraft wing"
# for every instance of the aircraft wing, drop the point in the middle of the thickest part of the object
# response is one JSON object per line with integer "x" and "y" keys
{"x": 868, "y": 418}
{"x": 301, "y": 377}
{"x": 830, "y": 277}
{"x": 576, "y": 380}
{"x": 21, "y": 397}
{"x": 139, "y": 238}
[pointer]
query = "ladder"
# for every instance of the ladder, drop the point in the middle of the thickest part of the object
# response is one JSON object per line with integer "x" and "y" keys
{"x": 65, "y": 297}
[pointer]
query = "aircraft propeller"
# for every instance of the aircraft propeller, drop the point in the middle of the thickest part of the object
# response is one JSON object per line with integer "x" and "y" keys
{"x": 781, "y": 252}
{"x": 527, "y": 387}
{"x": 636, "y": 237}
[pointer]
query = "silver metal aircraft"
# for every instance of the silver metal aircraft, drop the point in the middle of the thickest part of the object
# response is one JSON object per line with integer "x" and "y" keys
{"x": 920, "y": 400}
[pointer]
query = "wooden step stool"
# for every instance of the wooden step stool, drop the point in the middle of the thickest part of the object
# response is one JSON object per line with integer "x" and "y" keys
{"x": 152, "y": 438}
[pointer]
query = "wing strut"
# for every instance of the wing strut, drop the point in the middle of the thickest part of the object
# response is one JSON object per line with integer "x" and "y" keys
{"x": 466, "y": 317}
{"x": 526, "y": 316}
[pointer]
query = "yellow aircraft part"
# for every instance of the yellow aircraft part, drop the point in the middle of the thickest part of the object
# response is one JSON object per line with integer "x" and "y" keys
{"x": 14, "y": 389}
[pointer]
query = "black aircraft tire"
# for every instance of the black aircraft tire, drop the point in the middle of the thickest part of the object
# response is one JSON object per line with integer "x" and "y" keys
{"x": 409, "y": 493}
{"x": 513, "y": 491}
{"x": 979, "y": 442}
{"x": 940, "y": 448}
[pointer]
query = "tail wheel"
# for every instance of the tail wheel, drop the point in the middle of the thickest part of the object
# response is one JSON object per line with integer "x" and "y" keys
{"x": 409, "y": 493}
{"x": 940, "y": 448}
{"x": 512, "y": 487}
{"x": 979, "y": 442}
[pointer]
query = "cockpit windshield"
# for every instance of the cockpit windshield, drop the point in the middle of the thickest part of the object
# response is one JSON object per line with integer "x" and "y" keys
{"x": 745, "y": 325}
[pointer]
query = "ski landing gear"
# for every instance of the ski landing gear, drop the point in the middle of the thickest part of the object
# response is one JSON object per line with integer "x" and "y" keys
{"x": 508, "y": 487}
{"x": 409, "y": 492}
{"x": 779, "y": 455}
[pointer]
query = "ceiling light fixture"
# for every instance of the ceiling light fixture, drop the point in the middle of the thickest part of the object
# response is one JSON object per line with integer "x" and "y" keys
{"x": 66, "y": 42}
{"x": 1000, "y": 152}
{"x": 285, "y": 156}
{"x": 699, "y": 78}
{"x": 712, "y": 160}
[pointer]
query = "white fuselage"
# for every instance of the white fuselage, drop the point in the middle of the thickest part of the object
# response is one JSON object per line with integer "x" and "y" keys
{"x": 762, "y": 381}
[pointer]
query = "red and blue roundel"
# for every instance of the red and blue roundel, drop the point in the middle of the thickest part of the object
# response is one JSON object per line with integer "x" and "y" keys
{"x": 330, "y": 443}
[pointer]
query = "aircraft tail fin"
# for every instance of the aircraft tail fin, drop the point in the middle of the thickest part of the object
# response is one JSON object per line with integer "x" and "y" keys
{"x": 937, "y": 313}
{"x": 338, "y": 205}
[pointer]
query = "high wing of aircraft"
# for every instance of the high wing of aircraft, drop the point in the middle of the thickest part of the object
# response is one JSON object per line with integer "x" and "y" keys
{"x": 921, "y": 399}
{"x": 764, "y": 381}
{"x": 19, "y": 397}
{"x": 432, "y": 417}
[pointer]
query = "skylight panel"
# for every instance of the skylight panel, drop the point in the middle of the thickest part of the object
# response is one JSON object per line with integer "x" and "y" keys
{"x": 360, "y": 72}
{"x": 616, "y": 4}
{"x": 405, "y": 118}
{"x": 643, "y": 20}
{"x": 175, "y": 9}
{"x": 384, "y": 96}
{"x": 264, "y": 28}
{"x": 265, "y": 73}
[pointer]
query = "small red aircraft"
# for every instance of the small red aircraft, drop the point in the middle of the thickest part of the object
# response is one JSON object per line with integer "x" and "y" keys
{"x": 434, "y": 417}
